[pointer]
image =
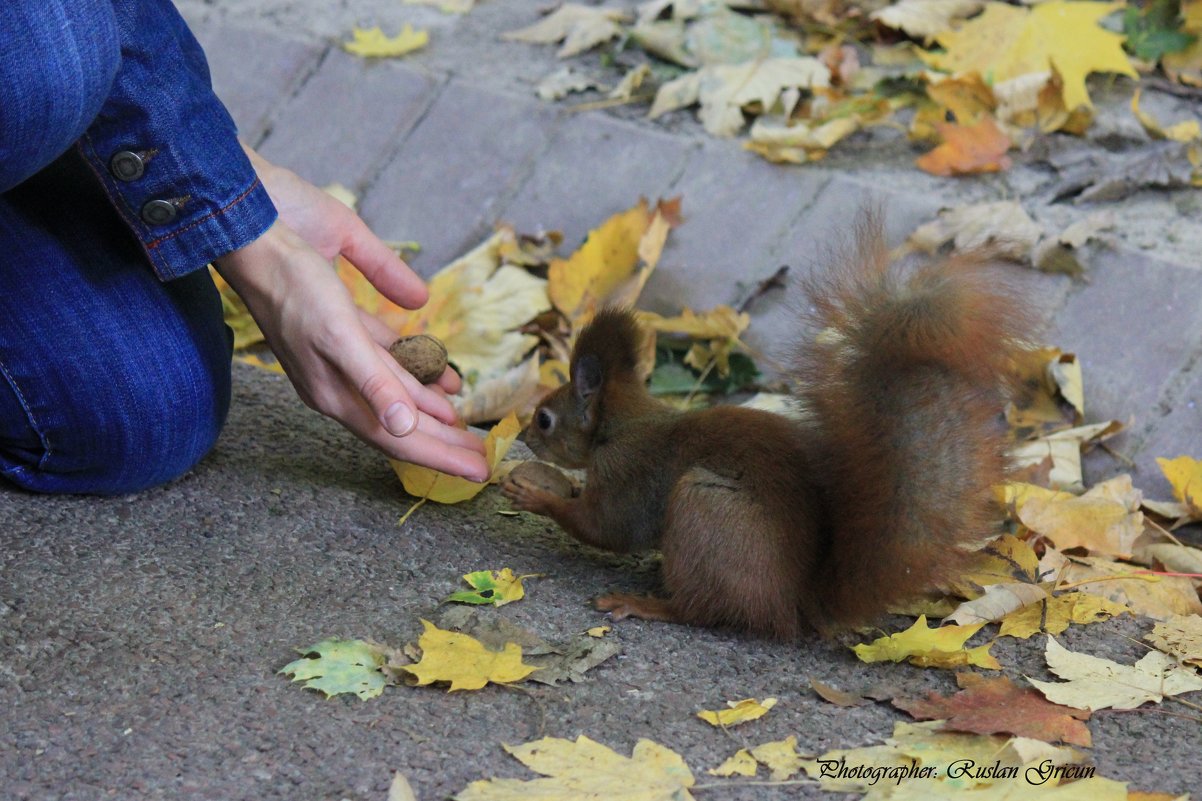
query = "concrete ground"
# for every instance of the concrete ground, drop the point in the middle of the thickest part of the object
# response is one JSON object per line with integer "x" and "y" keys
{"x": 140, "y": 636}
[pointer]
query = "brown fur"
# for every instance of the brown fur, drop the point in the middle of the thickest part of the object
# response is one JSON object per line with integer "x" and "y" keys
{"x": 767, "y": 524}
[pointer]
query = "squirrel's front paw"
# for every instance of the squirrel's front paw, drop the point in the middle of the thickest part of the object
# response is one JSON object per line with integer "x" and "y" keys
{"x": 526, "y": 496}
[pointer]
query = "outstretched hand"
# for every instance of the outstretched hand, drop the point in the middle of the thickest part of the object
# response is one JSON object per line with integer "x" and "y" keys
{"x": 334, "y": 353}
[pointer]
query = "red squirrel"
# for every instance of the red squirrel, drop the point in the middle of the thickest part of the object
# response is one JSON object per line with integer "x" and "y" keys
{"x": 769, "y": 524}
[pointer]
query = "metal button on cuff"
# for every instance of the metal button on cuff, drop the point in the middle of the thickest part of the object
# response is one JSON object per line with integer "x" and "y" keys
{"x": 126, "y": 165}
{"x": 158, "y": 212}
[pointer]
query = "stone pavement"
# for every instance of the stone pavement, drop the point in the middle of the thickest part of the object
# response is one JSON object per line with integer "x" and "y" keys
{"x": 139, "y": 636}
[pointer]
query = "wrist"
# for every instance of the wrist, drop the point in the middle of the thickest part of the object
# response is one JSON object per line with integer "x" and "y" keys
{"x": 253, "y": 269}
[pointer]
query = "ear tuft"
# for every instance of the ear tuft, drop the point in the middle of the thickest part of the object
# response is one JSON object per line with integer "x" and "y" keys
{"x": 586, "y": 376}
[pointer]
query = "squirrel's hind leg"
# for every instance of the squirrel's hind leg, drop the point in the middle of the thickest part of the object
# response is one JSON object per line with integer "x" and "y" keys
{"x": 728, "y": 559}
{"x": 646, "y": 607}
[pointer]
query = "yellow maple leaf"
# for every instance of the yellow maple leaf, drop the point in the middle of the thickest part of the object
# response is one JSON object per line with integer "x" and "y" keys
{"x": 1053, "y": 615}
{"x": 1184, "y": 131}
{"x": 372, "y": 43}
{"x": 741, "y": 763}
{"x": 586, "y": 769}
{"x": 1008, "y": 41}
{"x": 929, "y": 647}
{"x": 427, "y": 483}
{"x": 495, "y": 587}
{"x": 1185, "y": 475}
{"x": 1106, "y": 519}
{"x": 614, "y": 262}
{"x": 464, "y": 661}
{"x": 738, "y": 712}
{"x": 780, "y": 757}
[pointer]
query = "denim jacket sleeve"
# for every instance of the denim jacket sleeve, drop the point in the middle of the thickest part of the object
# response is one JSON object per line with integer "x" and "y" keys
{"x": 166, "y": 150}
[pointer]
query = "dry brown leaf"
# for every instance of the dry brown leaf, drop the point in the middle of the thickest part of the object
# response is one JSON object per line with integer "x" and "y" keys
{"x": 967, "y": 149}
{"x": 987, "y": 705}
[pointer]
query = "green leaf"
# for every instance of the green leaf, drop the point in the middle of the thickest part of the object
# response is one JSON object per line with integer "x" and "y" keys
{"x": 1155, "y": 30}
{"x": 496, "y": 587}
{"x": 337, "y": 666}
{"x": 672, "y": 376}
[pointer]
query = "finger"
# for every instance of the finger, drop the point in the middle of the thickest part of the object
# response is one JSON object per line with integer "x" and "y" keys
{"x": 366, "y": 367}
{"x": 383, "y": 268}
{"x": 426, "y": 399}
{"x": 455, "y": 437}
{"x": 449, "y": 381}
{"x": 421, "y": 446}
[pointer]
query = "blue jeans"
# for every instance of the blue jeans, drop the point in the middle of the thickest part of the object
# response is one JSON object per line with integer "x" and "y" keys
{"x": 114, "y": 359}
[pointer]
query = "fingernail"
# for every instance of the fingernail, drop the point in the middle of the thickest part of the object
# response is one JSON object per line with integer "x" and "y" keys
{"x": 399, "y": 419}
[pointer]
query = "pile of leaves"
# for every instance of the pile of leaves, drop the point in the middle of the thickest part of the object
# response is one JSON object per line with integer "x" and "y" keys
{"x": 509, "y": 310}
{"x": 973, "y": 78}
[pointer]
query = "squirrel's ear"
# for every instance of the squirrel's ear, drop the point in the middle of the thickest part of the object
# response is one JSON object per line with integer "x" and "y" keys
{"x": 586, "y": 376}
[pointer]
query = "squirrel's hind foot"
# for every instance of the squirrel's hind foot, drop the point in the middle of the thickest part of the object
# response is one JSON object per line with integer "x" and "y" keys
{"x": 622, "y": 605}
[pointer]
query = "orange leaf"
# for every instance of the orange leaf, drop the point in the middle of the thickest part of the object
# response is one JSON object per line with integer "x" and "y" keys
{"x": 966, "y": 149}
{"x": 998, "y": 706}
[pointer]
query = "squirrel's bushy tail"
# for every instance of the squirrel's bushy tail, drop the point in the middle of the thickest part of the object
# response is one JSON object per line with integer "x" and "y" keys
{"x": 905, "y": 379}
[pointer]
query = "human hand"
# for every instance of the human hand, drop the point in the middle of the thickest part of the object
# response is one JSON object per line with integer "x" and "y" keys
{"x": 336, "y": 356}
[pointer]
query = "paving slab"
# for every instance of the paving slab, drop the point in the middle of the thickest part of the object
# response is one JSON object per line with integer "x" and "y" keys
{"x": 332, "y": 132}
{"x": 254, "y": 72}
{"x": 446, "y": 185}
{"x": 593, "y": 167}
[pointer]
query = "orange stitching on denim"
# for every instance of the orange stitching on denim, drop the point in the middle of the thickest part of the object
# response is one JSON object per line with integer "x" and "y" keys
{"x": 12, "y": 382}
{"x": 152, "y": 245}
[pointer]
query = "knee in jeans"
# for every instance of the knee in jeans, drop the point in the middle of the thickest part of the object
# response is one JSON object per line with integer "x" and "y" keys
{"x": 133, "y": 426}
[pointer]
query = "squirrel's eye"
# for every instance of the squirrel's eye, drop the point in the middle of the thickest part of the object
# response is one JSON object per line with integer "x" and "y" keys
{"x": 545, "y": 420}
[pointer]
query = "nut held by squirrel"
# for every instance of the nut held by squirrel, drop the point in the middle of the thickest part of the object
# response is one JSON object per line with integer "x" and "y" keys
{"x": 778, "y": 526}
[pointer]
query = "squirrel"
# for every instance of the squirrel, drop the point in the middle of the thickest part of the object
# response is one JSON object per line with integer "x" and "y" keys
{"x": 770, "y": 524}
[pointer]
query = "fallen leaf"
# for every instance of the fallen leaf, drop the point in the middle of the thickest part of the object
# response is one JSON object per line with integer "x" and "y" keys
{"x": 372, "y": 43}
{"x": 742, "y": 763}
{"x": 1008, "y": 41}
{"x": 494, "y": 397}
{"x": 609, "y": 261}
{"x": 579, "y": 27}
{"x": 967, "y": 149}
{"x": 1181, "y": 637}
{"x": 464, "y": 662}
{"x": 425, "y": 482}
{"x": 1055, "y": 614}
{"x": 929, "y": 647}
{"x": 563, "y": 82}
{"x": 997, "y": 706}
{"x": 584, "y": 769}
{"x": 1063, "y": 449}
{"x": 1094, "y": 683}
{"x": 255, "y": 361}
{"x": 722, "y": 90}
{"x": 599, "y": 631}
{"x": 495, "y": 587}
{"x": 1101, "y": 176}
{"x": 1184, "y": 474}
{"x": 925, "y": 19}
{"x": 337, "y": 666}
{"x": 837, "y": 697}
{"x": 447, "y": 7}
{"x": 1154, "y": 29}
{"x": 739, "y": 712}
{"x": 1185, "y": 66}
{"x": 780, "y": 757}
{"x": 1184, "y": 131}
{"x": 1002, "y": 227}
{"x": 400, "y": 790}
{"x": 1157, "y": 597}
{"x": 571, "y": 660}
{"x": 1105, "y": 520}
{"x": 998, "y": 601}
{"x": 801, "y": 142}
{"x": 630, "y": 83}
